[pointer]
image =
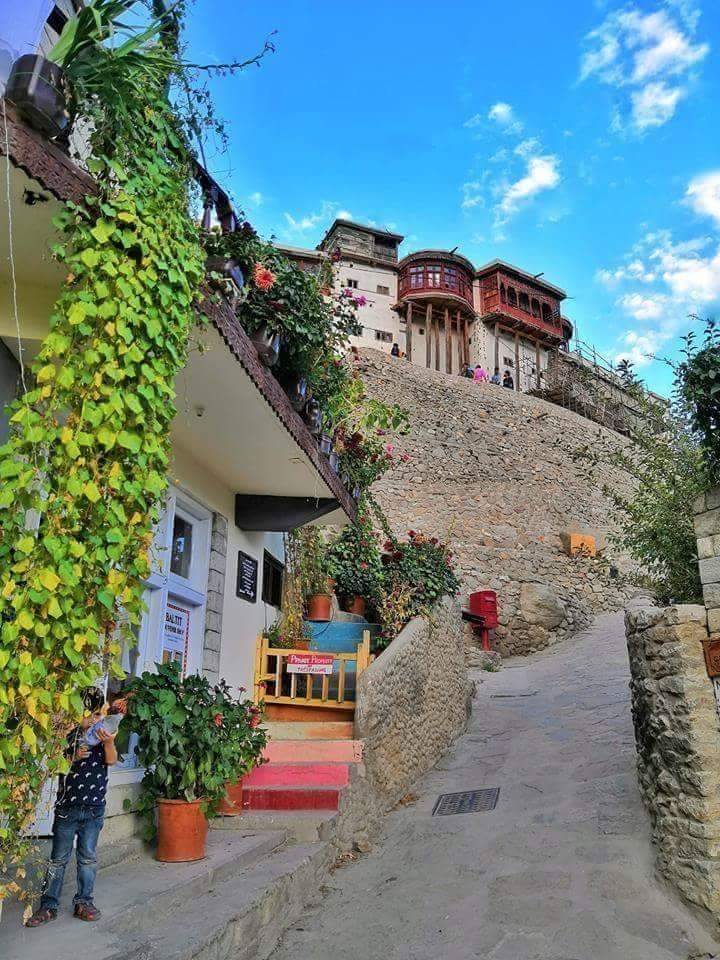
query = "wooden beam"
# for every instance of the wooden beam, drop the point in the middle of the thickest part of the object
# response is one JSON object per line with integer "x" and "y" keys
{"x": 517, "y": 362}
{"x": 448, "y": 342}
{"x": 408, "y": 331}
{"x": 497, "y": 346}
{"x": 428, "y": 336}
{"x": 436, "y": 325}
{"x": 537, "y": 363}
{"x": 460, "y": 359}
{"x": 466, "y": 341}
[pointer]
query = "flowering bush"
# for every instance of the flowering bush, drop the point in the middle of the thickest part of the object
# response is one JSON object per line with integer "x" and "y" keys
{"x": 354, "y": 561}
{"x": 193, "y": 737}
{"x": 425, "y": 566}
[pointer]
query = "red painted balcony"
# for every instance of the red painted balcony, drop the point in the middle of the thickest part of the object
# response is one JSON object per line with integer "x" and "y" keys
{"x": 438, "y": 275}
{"x": 521, "y": 302}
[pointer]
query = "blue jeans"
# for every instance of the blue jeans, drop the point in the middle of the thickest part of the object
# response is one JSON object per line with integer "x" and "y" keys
{"x": 84, "y": 822}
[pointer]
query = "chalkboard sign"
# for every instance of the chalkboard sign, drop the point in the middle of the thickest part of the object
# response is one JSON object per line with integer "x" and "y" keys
{"x": 247, "y": 577}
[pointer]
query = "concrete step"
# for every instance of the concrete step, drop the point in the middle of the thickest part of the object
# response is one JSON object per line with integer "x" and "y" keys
{"x": 291, "y": 798}
{"x": 301, "y": 826}
{"x": 310, "y": 730}
{"x": 237, "y": 919}
{"x": 314, "y": 751}
{"x": 134, "y": 895}
{"x": 297, "y": 775}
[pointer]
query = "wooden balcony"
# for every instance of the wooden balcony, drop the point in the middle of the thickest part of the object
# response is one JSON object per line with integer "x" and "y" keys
{"x": 436, "y": 275}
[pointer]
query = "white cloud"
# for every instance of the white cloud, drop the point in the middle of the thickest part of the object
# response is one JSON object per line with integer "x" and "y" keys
{"x": 542, "y": 173}
{"x": 641, "y": 347}
{"x": 346, "y": 215}
{"x": 473, "y": 195}
{"x": 329, "y": 210}
{"x": 654, "y": 104}
{"x": 256, "y": 199}
{"x": 643, "y": 307}
{"x": 652, "y": 54}
{"x": 474, "y": 121}
{"x": 504, "y": 116}
{"x": 703, "y": 195}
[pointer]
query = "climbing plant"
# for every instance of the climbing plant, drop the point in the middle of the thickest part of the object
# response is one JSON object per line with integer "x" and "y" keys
{"x": 84, "y": 472}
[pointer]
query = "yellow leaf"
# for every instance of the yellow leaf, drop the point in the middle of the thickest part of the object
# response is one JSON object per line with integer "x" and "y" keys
{"x": 8, "y": 589}
{"x": 79, "y": 641}
{"x": 66, "y": 435}
{"x": 46, "y": 391}
{"x": 46, "y": 373}
{"x": 135, "y": 518}
{"x": 25, "y": 658}
{"x": 54, "y": 609}
{"x": 91, "y": 491}
{"x": 28, "y": 735}
{"x": 49, "y": 579}
{"x": 44, "y": 720}
{"x": 25, "y": 620}
{"x": 116, "y": 577}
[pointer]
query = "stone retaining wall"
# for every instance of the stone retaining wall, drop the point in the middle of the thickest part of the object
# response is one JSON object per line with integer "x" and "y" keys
{"x": 707, "y": 531}
{"x": 496, "y": 470}
{"x": 412, "y": 702}
{"x": 678, "y": 745}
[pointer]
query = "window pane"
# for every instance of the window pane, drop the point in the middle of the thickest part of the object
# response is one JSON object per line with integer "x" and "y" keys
{"x": 181, "y": 552}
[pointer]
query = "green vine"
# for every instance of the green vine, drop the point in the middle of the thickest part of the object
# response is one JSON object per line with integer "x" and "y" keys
{"x": 84, "y": 473}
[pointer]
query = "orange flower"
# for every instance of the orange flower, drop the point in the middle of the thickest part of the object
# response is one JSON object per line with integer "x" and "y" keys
{"x": 264, "y": 278}
{"x": 217, "y": 719}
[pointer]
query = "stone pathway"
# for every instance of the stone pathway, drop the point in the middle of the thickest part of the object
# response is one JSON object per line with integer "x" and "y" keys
{"x": 562, "y": 869}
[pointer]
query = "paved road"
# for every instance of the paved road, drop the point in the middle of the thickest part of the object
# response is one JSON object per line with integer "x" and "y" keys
{"x": 562, "y": 869}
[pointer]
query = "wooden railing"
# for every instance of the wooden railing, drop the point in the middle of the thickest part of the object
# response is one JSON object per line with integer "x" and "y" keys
{"x": 274, "y": 684}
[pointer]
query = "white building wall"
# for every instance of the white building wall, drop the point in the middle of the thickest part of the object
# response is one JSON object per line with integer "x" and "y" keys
{"x": 381, "y": 325}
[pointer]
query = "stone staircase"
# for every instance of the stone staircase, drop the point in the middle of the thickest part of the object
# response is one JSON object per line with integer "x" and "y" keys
{"x": 261, "y": 871}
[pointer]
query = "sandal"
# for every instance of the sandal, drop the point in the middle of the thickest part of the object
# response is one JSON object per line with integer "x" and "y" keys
{"x": 41, "y": 916}
{"x": 86, "y": 911}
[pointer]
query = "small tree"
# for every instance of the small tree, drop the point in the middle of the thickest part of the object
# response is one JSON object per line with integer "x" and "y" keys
{"x": 698, "y": 390}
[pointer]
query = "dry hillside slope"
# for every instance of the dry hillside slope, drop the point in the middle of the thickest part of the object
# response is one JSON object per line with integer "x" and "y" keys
{"x": 495, "y": 468}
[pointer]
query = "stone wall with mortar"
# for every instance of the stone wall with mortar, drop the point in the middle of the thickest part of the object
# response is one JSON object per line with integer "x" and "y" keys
{"x": 412, "y": 702}
{"x": 677, "y": 733}
{"x": 495, "y": 469}
{"x": 707, "y": 531}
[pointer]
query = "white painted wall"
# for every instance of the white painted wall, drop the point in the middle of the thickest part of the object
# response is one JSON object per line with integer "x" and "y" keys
{"x": 242, "y": 621}
{"x": 377, "y": 315}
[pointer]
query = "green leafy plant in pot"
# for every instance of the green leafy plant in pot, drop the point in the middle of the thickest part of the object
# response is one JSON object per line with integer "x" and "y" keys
{"x": 314, "y": 573}
{"x": 193, "y": 740}
{"x": 355, "y": 565}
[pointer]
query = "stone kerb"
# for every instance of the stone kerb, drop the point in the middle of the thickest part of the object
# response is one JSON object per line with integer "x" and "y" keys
{"x": 707, "y": 531}
{"x": 678, "y": 743}
{"x": 413, "y": 701}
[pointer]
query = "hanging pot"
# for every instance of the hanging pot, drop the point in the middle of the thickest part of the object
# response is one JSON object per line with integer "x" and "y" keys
{"x": 357, "y": 606}
{"x": 334, "y": 461}
{"x": 232, "y": 803}
{"x": 182, "y": 831}
{"x": 298, "y": 394}
{"x": 345, "y": 478}
{"x": 37, "y": 88}
{"x": 267, "y": 345}
{"x": 318, "y": 607}
{"x": 325, "y": 443}
{"x": 313, "y": 417}
{"x": 226, "y": 267}
{"x": 356, "y": 492}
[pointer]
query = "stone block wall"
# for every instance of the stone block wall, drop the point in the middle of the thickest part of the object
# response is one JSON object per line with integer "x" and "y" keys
{"x": 496, "y": 470}
{"x": 677, "y": 733}
{"x": 412, "y": 702}
{"x": 215, "y": 598}
{"x": 707, "y": 531}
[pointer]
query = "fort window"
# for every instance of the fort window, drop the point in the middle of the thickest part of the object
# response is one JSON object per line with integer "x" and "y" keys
{"x": 508, "y": 362}
{"x": 546, "y": 313}
{"x": 503, "y": 293}
{"x": 385, "y": 291}
{"x": 524, "y": 302}
{"x": 535, "y": 307}
{"x": 384, "y": 335}
{"x": 353, "y": 284}
{"x": 512, "y": 296}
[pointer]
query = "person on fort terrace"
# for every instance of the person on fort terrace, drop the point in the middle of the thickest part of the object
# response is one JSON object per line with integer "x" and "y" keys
{"x": 508, "y": 380}
{"x": 469, "y": 371}
{"x": 395, "y": 352}
{"x": 495, "y": 378}
{"x": 480, "y": 374}
{"x": 79, "y": 812}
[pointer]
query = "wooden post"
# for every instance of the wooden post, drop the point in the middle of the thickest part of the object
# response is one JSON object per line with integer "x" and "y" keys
{"x": 466, "y": 341}
{"x": 428, "y": 336}
{"x": 408, "y": 331}
{"x": 517, "y": 362}
{"x": 436, "y": 325}
{"x": 258, "y": 691}
{"x": 497, "y": 346}
{"x": 460, "y": 358}
{"x": 537, "y": 362}
{"x": 448, "y": 342}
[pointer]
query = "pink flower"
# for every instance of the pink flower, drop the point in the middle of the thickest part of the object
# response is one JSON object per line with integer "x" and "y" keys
{"x": 405, "y": 457}
{"x": 389, "y": 447}
{"x": 360, "y": 301}
{"x": 264, "y": 278}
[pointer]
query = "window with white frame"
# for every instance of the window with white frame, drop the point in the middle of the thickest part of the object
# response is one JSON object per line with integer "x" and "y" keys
{"x": 352, "y": 284}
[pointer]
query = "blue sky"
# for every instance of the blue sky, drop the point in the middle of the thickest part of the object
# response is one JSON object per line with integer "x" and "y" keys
{"x": 574, "y": 137}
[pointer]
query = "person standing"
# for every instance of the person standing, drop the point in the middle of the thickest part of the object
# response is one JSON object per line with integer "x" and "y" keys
{"x": 495, "y": 378}
{"x": 480, "y": 375}
{"x": 79, "y": 812}
{"x": 508, "y": 380}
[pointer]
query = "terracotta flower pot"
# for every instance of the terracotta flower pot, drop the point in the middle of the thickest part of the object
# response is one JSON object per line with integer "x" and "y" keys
{"x": 232, "y": 803}
{"x": 182, "y": 831}
{"x": 318, "y": 606}
{"x": 357, "y": 606}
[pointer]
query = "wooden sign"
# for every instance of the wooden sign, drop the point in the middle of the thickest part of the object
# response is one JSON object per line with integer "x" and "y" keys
{"x": 247, "y": 577}
{"x": 315, "y": 663}
{"x": 711, "y": 649}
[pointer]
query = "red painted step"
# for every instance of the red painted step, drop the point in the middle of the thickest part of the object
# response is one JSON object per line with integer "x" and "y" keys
{"x": 298, "y": 775}
{"x": 314, "y": 751}
{"x": 291, "y": 798}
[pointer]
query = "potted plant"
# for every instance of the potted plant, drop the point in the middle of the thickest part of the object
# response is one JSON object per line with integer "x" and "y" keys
{"x": 246, "y": 741}
{"x": 190, "y": 739}
{"x": 314, "y": 573}
{"x": 354, "y": 563}
{"x": 38, "y": 88}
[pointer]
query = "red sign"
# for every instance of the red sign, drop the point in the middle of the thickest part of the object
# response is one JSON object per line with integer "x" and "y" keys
{"x": 317, "y": 663}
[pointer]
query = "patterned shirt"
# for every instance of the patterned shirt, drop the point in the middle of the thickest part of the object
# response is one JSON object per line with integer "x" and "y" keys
{"x": 87, "y": 780}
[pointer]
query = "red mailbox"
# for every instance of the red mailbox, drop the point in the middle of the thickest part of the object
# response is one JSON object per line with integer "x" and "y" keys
{"x": 483, "y": 603}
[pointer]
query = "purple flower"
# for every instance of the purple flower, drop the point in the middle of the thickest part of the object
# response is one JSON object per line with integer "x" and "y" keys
{"x": 360, "y": 301}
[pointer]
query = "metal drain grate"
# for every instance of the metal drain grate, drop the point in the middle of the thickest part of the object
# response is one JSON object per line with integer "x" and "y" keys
{"x": 469, "y": 801}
